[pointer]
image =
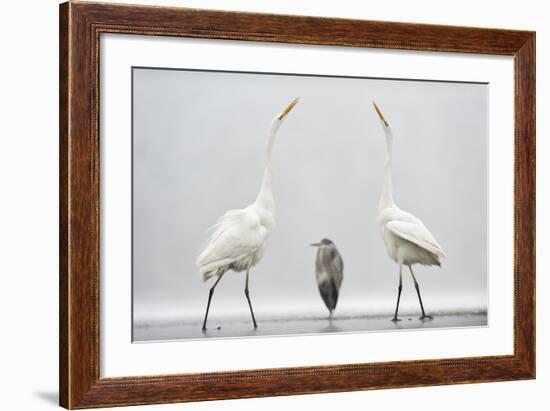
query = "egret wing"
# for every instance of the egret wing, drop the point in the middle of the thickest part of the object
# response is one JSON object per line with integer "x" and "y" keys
{"x": 416, "y": 233}
{"x": 237, "y": 235}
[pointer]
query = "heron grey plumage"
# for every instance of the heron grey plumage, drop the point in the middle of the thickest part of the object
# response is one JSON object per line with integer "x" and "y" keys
{"x": 329, "y": 270}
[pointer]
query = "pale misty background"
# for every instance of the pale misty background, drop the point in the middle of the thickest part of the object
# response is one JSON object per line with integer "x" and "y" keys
{"x": 199, "y": 149}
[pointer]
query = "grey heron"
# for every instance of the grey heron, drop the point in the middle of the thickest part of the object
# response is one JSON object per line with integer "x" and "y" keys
{"x": 329, "y": 270}
{"x": 239, "y": 238}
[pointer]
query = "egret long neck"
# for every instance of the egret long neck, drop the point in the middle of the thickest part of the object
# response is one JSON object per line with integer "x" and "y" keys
{"x": 265, "y": 196}
{"x": 386, "y": 198}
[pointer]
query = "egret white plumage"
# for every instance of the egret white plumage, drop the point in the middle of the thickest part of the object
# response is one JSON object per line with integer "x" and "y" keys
{"x": 239, "y": 237}
{"x": 406, "y": 238}
{"x": 329, "y": 270}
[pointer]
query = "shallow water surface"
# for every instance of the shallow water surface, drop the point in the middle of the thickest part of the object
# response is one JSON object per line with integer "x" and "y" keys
{"x": 181, "y": 330}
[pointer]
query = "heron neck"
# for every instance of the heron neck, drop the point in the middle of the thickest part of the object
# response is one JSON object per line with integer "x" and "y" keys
{"x": 265, "y": 196}
{"x": 386, "y": 198}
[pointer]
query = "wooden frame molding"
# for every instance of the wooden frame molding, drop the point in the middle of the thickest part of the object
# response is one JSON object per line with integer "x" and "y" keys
{"x": 81, "y": 24}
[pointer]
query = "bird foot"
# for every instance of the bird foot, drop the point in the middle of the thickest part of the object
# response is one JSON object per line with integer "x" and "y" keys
{"x": 395, "y": 319}
{"x": 426, "y": 318}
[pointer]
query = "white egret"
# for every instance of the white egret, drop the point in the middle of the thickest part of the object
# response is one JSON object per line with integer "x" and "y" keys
{"x": 329, "y": 270}
{"x": 406, "y": 238}
{"x": 239, "y": 237}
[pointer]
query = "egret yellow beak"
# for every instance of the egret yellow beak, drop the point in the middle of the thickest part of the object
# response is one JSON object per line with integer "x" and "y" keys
{"x": 380, "y": 114}
{"x": 288, "y": 108}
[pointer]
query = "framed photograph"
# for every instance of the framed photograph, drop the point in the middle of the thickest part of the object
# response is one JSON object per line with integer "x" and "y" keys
{"x": 258, "y": 205}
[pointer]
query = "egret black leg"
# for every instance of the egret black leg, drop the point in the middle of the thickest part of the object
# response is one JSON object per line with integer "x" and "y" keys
{"x": 424, "y": 316}
{"x": 210, "y": 294}
{"x": 249, "y": 303}
{"x": 395, "y": 319}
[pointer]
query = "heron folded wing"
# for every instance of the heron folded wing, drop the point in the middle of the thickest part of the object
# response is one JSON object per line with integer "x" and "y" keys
{"x": 416, "y": 233}
{"x": 329, "y": 294}
{"x": 337, "y": 268}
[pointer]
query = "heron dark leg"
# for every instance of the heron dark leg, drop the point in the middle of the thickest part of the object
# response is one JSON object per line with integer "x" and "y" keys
{"x": 424, "y": 316}
{"x": 210, "y": 294}
{"x": 248, "y": 299}
{"x": 395, "y": 319}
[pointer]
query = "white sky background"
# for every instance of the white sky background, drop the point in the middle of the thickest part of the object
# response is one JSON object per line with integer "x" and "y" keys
{"x": 199, "y": 150}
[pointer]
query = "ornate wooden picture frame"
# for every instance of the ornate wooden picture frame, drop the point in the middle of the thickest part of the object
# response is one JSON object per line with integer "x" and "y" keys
{"x": 81, "y": 24}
